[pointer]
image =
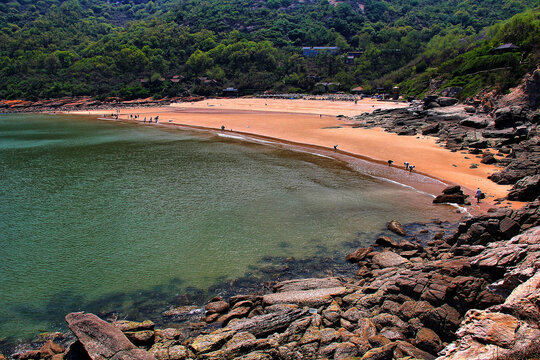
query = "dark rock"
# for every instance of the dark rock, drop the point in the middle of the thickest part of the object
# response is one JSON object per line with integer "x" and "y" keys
{"x": 446, "y": 101}
{"x": 455, "y": 189}
{"x": 396, "y": 227}
{"x": 475, "y": 122}
{"x": 427, "y": 340}
{"x": 526, "y": 189}
{"x": 430, "y": 129}
{"x": 509, "y": 227}
{"x": 387, "y": 242}
{"x": 488, "y": 159}
{"x": 359, "y": 254}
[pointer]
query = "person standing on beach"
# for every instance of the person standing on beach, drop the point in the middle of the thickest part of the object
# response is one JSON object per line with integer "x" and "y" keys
{"x": 478, "y": 195}
{"x": 411, "y": 168}
{"x": 406, "y": 165}
{"x": 144, "y": 120}
{"x": 390, "y": 162}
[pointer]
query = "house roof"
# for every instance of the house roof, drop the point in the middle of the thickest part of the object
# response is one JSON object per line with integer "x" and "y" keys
{"x": 507, "y": 47}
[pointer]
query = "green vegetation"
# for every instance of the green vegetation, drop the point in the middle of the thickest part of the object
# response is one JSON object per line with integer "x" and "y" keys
{"x": 133, "y": 48}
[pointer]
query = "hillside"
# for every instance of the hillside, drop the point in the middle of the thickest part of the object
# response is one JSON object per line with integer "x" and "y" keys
{"x": 138, "y": 48}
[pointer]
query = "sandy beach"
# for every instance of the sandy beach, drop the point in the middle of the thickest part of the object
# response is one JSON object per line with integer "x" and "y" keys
{"x": 316, "y": 124}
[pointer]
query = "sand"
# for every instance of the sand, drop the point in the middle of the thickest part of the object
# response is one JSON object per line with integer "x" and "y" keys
{"x": 315, "y": 124}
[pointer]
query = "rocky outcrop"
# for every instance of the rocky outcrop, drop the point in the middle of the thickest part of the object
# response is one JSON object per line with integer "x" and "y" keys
{"x": 102, "y": 340}
{"x": 526, "y": 189}
{"x": 451, "y": 194}
{"x": 510, "y": 329}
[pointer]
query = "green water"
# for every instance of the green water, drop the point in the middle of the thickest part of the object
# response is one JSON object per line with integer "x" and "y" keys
{"x": 98, "y": 215}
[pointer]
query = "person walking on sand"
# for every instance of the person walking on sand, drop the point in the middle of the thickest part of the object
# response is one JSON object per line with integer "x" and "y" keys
{"x": 411, "y": 168}
{"x": 478, "y": 195}
{"x": 335, "y": 147}
{"x": 144, "y": 120}
{"x": 406, "y": 165}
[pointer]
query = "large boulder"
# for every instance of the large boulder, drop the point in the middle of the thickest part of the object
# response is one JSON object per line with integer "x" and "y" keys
{"x": 451, "y": 194}
{"x": 446, "y": 101}
{"x": 526, "y": 189}
{"x": 102, "y": 340}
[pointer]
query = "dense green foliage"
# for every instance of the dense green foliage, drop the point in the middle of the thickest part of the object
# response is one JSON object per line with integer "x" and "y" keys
{"x": 132, "y": 48}
{"x": 474, "y": 65}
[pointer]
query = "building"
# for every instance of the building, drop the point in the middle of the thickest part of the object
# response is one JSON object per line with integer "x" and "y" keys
{"x": 230, "y": 91}
{"x": 505, "y": 48}
{"x": 319, "y": 50}
{"x": 351, "y": 55}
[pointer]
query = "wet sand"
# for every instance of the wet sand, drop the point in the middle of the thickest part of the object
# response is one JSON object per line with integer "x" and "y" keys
{"x": 315, "y": 124}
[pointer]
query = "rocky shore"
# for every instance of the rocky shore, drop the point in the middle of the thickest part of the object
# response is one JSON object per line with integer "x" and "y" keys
{"x": 471, "y": 292}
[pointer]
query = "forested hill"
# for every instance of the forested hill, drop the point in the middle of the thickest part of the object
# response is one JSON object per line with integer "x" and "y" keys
{"x": 140, "y": 48}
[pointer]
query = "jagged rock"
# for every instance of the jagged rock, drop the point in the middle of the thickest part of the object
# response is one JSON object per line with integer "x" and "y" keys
{"x": 387, "y": 259}
{"x": 427, "y": 340}
{"x": 359, "y": 254}
{"x": 307, "y": 284}
{"x": 486, "y": 335}
{"x": 443, "y": 320}
{"x": 103, "y": 340}
{"x": 396, "y": 227}
{"x": 313, "y": 298}
{"x": 269, "y": 323}
{"x": 387, "y": 242}
{"x": 526, "y": 189}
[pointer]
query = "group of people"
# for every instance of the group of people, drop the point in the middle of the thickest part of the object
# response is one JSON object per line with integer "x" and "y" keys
{"x": 151, "y": 119}
{"x": 408, "y": 166}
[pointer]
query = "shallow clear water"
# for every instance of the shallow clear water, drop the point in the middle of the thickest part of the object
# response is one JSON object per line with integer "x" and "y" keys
{"x": 98, "y": 215}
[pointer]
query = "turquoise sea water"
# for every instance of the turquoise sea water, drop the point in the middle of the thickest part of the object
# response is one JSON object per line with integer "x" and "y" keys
{"x": 104, "y": 216}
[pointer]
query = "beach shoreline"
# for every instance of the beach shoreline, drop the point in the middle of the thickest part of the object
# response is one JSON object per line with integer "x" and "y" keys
{"x": 319, "y": 125}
